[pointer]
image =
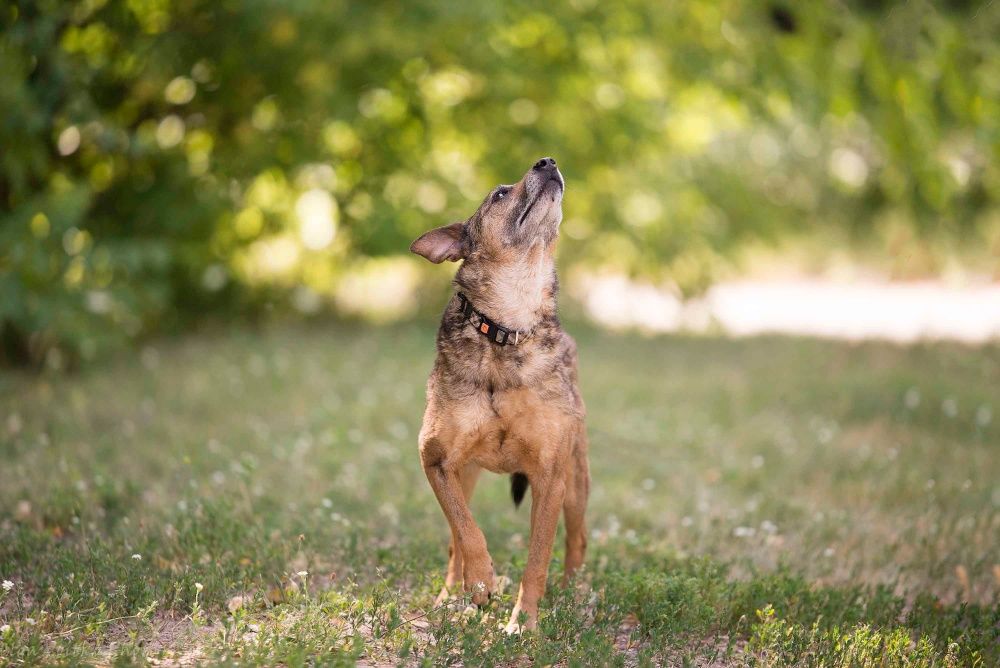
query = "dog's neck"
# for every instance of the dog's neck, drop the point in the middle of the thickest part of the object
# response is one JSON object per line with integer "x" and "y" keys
{"x": 518, "y": 293}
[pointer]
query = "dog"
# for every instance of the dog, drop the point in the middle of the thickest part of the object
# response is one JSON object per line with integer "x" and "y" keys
{"x": 504, "y": 393}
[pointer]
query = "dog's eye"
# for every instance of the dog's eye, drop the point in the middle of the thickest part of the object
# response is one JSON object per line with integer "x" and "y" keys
{"x": 499, "y": 194}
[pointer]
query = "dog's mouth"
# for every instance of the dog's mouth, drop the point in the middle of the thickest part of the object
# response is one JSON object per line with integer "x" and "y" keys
{"x": 561, "y": 186}
{"x": 557, "y": 179}
{"x": 527, "y": 209}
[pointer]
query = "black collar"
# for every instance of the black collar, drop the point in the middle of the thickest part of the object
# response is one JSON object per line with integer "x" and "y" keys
{"x": 489, "y": 328}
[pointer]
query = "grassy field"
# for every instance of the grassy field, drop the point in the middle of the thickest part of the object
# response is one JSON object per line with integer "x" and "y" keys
{"x": 256, "y": 497}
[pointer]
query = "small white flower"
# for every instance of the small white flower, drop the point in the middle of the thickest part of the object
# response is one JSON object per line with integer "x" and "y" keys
{"x": 137, "y": 557}
{"x": 984, "y": 415}
{"x": 303, "y": 574}
{"x": 198, "y": 586}
{"x": 7, "y": 585}
{"x": 30, "y": 620}
{"x": 950, "y": 407}
{"x": 4, "y": 629}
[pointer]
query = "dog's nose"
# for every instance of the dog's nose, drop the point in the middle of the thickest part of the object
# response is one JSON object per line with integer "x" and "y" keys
{"x": 545, "y": 163}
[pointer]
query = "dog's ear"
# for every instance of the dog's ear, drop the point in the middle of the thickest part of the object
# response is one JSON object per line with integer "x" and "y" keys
{"x": 440, "y": 244}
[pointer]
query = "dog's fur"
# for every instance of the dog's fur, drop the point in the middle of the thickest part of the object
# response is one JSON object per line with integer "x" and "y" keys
{"x": 509, "y": 409}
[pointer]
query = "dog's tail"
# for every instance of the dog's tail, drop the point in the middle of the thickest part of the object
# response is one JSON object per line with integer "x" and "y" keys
{"x": 518, "y": 486}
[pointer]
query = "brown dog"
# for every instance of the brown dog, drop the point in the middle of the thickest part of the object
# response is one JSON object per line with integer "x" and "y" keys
{"x": 503, "y": 393}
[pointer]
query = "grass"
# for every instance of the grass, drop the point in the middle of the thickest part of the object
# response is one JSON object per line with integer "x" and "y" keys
{"x": 256, "y": 497}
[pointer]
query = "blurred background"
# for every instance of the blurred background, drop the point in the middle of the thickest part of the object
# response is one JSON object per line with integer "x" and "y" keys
{"x": 167, "y": 163}
{"x": 206, "y": 208}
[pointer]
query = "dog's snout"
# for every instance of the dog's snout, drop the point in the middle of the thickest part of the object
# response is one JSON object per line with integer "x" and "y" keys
{"x": 545, "y": 163}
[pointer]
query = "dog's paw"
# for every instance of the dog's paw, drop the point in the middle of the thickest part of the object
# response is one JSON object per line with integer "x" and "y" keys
{"x": 523, "y": 618}
{"x": 516, "y": 626}
{"x": 479, "y": 582}
{"x": 480, "y": 592}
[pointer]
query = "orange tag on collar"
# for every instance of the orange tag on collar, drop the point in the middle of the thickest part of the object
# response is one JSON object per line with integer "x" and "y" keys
{"x": 484, "y": 328}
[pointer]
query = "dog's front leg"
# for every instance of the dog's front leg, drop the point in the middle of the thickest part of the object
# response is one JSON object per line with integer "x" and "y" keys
{"x": 547, "y": 493}
{"x": 453, "y": 578}
{"x": 477, "y": 566}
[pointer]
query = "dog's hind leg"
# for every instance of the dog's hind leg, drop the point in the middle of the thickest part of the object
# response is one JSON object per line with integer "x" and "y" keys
{"x": 575, "y": 505}
{"x": 453, "y": 579}
{"x": 548, "y": 489}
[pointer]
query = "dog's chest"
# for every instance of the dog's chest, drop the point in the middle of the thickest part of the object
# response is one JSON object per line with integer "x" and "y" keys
{"x": 518, "y": 430}
{"x": 507, "y": 370}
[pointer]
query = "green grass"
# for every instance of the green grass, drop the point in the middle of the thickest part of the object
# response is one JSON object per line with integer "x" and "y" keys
{"x": 764, "y": 502}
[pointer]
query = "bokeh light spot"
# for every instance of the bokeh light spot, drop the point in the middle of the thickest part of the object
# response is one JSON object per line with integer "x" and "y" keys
{"x": 317, "y": 213}
{"x": 523, "y": 111}
{"x": 170, "y": 131}
{"x": 69, "y": 140}
{"x": 180, "y": 90}
{"x": 849, "y": 167}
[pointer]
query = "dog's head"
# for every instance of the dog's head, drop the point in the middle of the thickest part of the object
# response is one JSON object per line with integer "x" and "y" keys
{"x": 508, "y": 222}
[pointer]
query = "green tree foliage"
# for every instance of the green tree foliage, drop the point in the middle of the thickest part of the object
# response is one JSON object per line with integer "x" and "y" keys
{"x": 165, "y": 158}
